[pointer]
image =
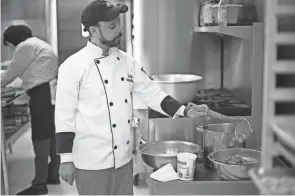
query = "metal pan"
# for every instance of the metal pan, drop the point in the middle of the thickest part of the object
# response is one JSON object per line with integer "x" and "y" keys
{"x": 160, "y": 153}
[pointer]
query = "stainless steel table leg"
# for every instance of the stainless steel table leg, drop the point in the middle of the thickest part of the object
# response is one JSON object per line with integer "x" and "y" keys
{"x": 10, "y": 148}
{"x": 3, "y": 161}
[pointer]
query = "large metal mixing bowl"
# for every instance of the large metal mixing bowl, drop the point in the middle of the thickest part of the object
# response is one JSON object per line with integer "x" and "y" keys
{"x": 237, "y": 171}
{"x": 182, "y": 87}
{"x": 160, "y": 153}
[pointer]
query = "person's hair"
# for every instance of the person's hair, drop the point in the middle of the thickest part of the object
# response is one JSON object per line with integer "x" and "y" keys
{"x": 16, "y": 34}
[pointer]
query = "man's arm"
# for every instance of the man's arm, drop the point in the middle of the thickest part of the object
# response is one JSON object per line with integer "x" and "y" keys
{"x": 23, "y": 57}
{"x": 153, "y": 96}
{"x": 65, "y": 109}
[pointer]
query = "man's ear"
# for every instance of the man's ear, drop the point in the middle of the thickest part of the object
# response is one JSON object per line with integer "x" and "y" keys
{"x": 92, "y": 30}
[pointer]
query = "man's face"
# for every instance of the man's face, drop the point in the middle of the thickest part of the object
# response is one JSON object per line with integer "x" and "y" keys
{"x": 110, "y": 32}
{"x": 10, "y": 46}
{"x": 11, "y": 49}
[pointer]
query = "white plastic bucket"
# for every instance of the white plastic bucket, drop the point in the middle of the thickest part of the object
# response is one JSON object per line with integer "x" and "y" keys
{"x": 186, "y": 163}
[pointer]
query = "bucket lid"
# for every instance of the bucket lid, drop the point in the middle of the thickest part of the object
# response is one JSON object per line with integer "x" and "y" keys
{"x": 186, "y": 155}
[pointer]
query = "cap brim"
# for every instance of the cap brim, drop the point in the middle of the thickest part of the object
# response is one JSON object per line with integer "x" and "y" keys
{"x": 114, "y": 12}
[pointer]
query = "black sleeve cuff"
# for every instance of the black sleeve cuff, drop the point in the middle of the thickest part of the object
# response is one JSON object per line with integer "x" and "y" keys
{"x": 64, "y": 142}
{"x": 170, "y": 106}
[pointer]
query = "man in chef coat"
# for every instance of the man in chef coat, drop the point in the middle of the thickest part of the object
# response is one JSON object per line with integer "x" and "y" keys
{"x": 94, "y": 108}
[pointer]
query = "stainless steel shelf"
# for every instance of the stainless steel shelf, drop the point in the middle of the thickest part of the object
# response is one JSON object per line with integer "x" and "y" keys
{"x": 245, "y": 32}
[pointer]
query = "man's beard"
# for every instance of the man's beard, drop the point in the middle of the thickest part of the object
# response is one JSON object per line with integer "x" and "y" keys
{"x": 111, "y": 43}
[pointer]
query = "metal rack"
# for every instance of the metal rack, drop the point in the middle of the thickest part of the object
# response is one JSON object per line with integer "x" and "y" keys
{"x": 272, "y": 123}
{"x": 278, "y": 130}
{"x": 6, "y": 142}
{"x": 245, "y": 32}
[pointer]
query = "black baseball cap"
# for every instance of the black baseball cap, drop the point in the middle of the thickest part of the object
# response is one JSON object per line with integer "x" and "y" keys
{"x": 100, "y": 10}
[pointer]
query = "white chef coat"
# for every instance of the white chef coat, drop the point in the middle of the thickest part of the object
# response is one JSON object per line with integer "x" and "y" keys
{"x": 94, "y": 107}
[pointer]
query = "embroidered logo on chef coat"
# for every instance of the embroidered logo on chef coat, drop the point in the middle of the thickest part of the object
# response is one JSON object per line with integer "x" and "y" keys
{"x": 129, "y": 78}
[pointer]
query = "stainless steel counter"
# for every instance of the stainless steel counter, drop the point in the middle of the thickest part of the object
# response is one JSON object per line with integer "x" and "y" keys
{"x": 206, "y": 182}
{"x": 182, "y": 129}
{"x": 7, "y": 141}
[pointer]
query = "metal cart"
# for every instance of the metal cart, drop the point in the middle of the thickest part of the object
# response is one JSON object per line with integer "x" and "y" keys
{"x": 7, "y": 139}
{"x": 278, "y": 128}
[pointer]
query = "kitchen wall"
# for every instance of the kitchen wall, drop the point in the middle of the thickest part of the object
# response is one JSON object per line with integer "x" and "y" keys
{"x": 165, "y": 41}
{"x": 145, "y": 32}
{"x": 259, "y": 5}
{"x": 69, "y": 33}
{"x": 28, "y": 12}
{"x": 238, "y": 70}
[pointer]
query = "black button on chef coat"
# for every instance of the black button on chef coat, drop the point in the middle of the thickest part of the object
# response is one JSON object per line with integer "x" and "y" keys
{"x": 114, "y": 125}
{"x": 97, "y": 61}
{"x": 111, "y": 104}
{"x": 115, "y": 147}
{"x": 106, "y": 81}
{"x": 122, "y": 79}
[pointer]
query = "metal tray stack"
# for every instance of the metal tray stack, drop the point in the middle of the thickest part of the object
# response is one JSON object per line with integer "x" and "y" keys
{"x": 278, "y": 127}
{"x": 277, "y": 181}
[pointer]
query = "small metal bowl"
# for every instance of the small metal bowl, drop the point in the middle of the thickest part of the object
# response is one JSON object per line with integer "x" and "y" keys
{"x": 160, "y": 153}
{"x": 231, "y": 171}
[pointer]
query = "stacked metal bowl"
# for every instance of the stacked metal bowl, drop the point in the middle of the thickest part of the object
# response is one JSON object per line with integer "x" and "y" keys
{"x": 160, "y": 153}
{"x": 235, "y": 163}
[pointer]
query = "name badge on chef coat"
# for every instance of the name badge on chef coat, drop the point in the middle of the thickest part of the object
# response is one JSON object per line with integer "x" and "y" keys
{"x": 129, "y": 78}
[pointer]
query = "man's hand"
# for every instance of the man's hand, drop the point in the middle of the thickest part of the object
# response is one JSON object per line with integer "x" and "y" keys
{"x": 196, "y": 111}
{"x": 67, "y": 172}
